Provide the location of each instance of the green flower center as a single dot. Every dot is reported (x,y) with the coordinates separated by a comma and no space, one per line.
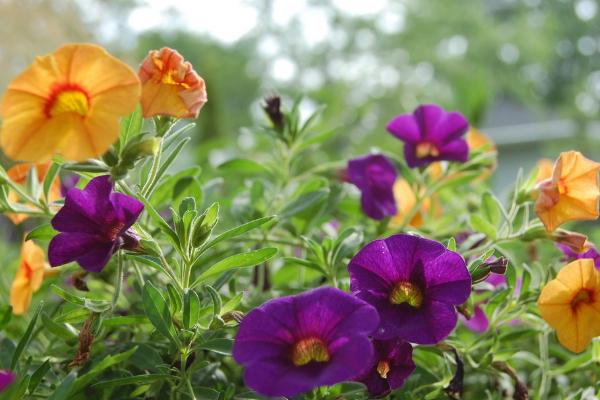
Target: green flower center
(308,350)
(406,292)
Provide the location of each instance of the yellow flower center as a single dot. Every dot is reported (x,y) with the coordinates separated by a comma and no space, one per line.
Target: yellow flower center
(583,296)
(308,350)
(383,368)
(562,187)
(426,149)
(406,292)
(68,98)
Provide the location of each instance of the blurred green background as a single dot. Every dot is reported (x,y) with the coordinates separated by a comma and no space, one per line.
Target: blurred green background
(525,71)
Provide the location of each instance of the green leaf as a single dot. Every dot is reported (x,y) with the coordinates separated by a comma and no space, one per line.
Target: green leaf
(174,298)
(84,380)
(220,346)
(157,311)
(479,224)
(172,156)
(160,222)
(216,299)
(243,166)
(243,260)
(232,303)
(132,380)
(57,328)
(187,187)
(240,230)
(38,375)
(131,126)
(5,315)
(191,308)
(42,232)
(125,320)
(49,179)
(24,342)
(451,244)
(64,389)
(491,209)
(304,202)
(71,298)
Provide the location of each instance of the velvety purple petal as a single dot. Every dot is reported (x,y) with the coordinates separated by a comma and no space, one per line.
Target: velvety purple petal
(374,175)
(127,208)
(279,377)
(448,279)
(429,117)
(496,280)
(410,156)
(479,322)
(376,385)
(86,249)
(378,203)
(451,127)
(405,128)
(350,357)
(429,324)
(6,378)
(402,365)
(456,150)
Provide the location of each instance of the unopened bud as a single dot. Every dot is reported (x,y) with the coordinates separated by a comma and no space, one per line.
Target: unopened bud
(272,107)
(575,241)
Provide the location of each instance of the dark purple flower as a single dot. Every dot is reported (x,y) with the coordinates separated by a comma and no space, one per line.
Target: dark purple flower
(6,378)
(431,134)
(374,175)
(293,344)
(572,255)
(478,322)
(414,283)
(94,223)
(391,366)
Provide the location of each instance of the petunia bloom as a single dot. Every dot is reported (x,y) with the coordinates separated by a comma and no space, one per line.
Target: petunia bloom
(7,377)
(571,304)
(374,175)
(29,277)
(391,366)
(170,86)
(293,344)
(589,251)
(431,134)
(571,194)
(69,103)
(94,223)
(414,283)
(18,174)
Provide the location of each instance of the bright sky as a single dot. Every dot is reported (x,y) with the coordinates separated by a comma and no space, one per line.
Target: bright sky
(230,20)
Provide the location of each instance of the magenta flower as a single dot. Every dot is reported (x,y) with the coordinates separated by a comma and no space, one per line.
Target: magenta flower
(572,255)
(293,344)
(391,366)
(6,378)
(414,283)
(374,175)
(94,223)
(431,134)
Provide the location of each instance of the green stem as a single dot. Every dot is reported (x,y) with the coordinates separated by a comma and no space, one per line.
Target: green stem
(153,178)
(118,280)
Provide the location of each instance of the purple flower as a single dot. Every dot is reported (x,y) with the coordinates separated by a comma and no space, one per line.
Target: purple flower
(391,366)
(414,283)
(431,134)
(293,344)
(6,378)
(374,175)
(67,183)
(94,223)
(572,255)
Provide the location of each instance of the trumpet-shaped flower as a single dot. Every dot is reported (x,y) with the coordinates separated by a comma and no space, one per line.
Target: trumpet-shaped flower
(170,86)
(94,223)
(374,175)
(29,277)
(391,366)
(69,103)
(7,377)
(414,283)
(571,194)
(431,134)
(293,344)
(18,174)
(571,304)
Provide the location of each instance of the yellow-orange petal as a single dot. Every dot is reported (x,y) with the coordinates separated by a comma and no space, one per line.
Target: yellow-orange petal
(170,86)
(571,304)
(405,201)
(477,140)
(28,280)
(571,194)
(49,108)
(544,169)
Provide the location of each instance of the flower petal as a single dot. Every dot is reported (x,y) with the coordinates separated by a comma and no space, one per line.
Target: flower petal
(405,127)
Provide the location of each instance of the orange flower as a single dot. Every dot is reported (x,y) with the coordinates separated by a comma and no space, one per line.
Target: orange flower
(571,194)
(405,201)
(68,102)
(571,304)
(479,140)
(18,174)
(29,277)
(544,169)
(170,86)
